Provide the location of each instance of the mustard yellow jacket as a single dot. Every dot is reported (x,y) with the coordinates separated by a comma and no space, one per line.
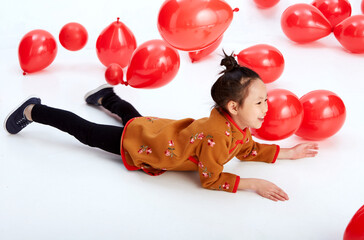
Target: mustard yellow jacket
(156,145)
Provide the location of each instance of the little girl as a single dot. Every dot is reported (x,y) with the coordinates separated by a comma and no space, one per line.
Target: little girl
(156,145)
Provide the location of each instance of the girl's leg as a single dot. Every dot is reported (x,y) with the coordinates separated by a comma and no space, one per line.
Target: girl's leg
(104,95)
(104,137)
(120,107)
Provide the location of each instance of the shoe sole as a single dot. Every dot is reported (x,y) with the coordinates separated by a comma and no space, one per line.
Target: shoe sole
(7,117)
(96,90)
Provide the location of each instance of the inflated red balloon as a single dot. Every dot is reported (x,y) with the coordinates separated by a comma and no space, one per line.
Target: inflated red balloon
(153,65)
(192,25)
(73,36)
(115,44)
(283,118)
(355,228)
(114,74)
(334,10)
(197,55)
(324,115)
(304,23)
(350,33)
(266,3)
(264,59)
(37,50)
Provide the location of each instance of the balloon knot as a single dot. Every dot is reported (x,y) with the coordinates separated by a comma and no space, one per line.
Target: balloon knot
(24,73)
(124,83)
(236,10)
(117,20)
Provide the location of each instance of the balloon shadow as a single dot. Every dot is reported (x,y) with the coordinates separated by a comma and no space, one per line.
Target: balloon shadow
(268,12)
(341,49)
(81,67)
(315,44)
(319,44)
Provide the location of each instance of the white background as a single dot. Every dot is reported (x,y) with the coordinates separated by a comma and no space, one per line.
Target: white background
(52,187)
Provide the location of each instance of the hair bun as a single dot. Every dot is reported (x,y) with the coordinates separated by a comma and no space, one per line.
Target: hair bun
(229,62)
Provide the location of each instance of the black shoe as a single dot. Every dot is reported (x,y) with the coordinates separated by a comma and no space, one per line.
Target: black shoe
(16,120)
(93,96)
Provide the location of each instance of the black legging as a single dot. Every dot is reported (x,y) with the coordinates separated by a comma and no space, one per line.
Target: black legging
(105,137)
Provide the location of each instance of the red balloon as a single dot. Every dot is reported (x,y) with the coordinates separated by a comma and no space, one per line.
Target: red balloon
(266,3)
(303,23)
(264,59)
(350,33)
(362,6)
(115,44)
(283,118)
(37,50)
(355,228)
(324,115)
(153,64)
(73,36)
(114,74)
(192,25)
(197,55)
(334,10)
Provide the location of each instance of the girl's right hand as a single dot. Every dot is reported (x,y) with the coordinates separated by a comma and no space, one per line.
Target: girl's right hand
(264,188)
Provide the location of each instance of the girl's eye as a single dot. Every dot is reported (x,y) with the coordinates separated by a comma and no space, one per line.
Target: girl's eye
(259,103)
(266,100)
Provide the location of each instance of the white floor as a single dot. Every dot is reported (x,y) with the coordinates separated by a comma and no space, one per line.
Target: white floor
(52,187)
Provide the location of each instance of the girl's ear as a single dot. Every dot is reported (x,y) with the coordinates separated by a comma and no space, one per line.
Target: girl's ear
(232,107)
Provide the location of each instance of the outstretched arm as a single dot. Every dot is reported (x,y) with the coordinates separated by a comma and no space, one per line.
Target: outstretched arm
(301,150)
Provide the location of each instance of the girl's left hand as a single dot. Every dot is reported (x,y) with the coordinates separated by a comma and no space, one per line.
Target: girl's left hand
(303,150)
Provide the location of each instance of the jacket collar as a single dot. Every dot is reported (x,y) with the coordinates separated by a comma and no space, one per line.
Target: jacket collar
(230,119)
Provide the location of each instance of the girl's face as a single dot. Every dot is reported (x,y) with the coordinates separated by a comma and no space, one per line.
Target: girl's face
(252,111)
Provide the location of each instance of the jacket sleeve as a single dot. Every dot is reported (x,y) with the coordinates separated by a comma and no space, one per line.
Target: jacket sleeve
(254,151)
(213,154)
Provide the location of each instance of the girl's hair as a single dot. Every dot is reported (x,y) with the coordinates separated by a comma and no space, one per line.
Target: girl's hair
(233,84)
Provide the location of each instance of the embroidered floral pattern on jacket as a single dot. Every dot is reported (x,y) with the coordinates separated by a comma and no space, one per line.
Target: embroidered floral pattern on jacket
(145,149)
(204,173)
(169,151)
(225,186)
(151,119)
(228,132)
(198,136)
(211,142)
(253,152)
